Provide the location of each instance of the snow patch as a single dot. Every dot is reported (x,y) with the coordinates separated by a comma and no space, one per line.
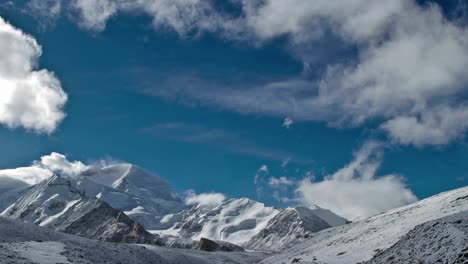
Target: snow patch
(41,252)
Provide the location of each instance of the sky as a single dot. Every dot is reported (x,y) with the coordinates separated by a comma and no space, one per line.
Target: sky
(356,106)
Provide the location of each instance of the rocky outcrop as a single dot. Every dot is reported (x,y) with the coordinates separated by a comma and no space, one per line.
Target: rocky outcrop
(212,246)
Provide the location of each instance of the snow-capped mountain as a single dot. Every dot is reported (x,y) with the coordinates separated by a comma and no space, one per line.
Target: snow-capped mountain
(143,196)
(235,221)
(360,241)
(58,203)
(95,204)
(292,225)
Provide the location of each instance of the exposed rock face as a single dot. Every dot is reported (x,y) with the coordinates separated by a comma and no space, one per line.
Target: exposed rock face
(58,204)
(93,218)
(212,246)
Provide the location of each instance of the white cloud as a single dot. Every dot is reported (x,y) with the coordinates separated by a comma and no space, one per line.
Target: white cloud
(30,98)
(204,199)
(182,16)
(31,175)
(263,168)
(410,66)
(285,162)
(436,127)
(59,163)
(409,70)
(46,9)
(355,191)
(94,13)
(44,168)
(287,122)
(281,181)
(262,171)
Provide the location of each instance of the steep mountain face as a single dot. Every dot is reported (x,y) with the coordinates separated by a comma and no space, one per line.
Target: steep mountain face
(291,225)
(58,203)
(144,197)
(235,221)
(362,240)
(444,240)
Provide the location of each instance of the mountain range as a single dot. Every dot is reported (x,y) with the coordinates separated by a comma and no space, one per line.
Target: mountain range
(124,203)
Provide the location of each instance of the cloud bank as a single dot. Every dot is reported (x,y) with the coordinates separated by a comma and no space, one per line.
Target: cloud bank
(355,192)
(29,97)
(44,168)
(408,72)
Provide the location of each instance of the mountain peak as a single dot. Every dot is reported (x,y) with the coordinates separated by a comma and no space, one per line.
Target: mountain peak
(289,226)
(57,179)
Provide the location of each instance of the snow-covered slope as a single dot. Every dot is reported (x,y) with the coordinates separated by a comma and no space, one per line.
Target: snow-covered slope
(291,225)
(235,221)
(444,240)
(58,204)
(9,183)
(144,197)
(328,216)
(10,190)
(360,241)
(27,243)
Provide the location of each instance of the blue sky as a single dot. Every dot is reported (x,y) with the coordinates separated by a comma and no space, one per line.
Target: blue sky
(204,107)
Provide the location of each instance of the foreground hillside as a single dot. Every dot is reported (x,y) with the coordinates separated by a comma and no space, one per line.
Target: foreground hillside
(27,243)
(360,241)
(444,240)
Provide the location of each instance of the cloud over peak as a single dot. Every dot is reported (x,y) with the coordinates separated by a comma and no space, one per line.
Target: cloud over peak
(204,199)
(44,168)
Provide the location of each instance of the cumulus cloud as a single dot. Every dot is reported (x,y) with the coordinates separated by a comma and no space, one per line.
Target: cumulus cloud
(59,163)
(355,192)
(204,199)
(44,168)
(29,98)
